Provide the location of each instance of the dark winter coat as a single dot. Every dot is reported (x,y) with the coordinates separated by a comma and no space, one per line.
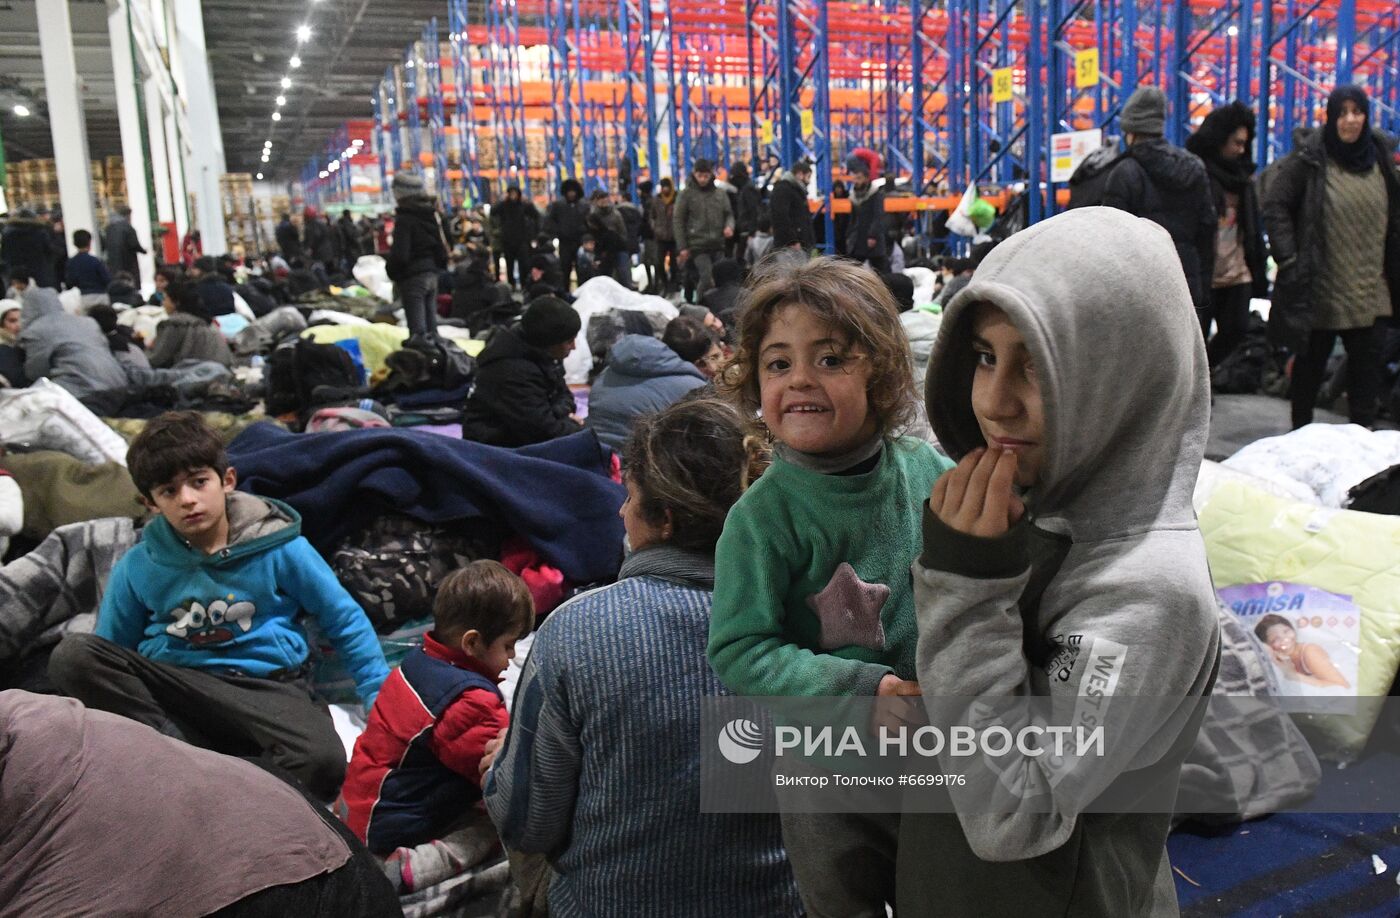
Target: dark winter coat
(792,218)
(320,244)
(289,240)
(662,214)
(1169,186)
(1251,226)
(519,223)
(520,396)
(1293,207)
(26,247)
(215,296)
(702,214)
(121,245)
(747,203)
(348,235)
(609,232)
(564,219)
(632,219)
(418,240)
(867,222)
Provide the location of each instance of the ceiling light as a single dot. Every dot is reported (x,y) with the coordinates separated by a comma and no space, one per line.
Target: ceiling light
(1233,31)
(357,142)
(267,144)
(22,111)
(295,62)
(260,176)
(409,65)
(286,82)
(265,157)
(324,173)
(303,33)
(281,101)
(276,116)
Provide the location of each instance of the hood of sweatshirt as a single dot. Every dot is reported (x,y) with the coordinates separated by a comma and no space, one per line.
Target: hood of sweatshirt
(646,357)
(39,302)
(1170,168)
(510,344)
(1107,317)
(255,524)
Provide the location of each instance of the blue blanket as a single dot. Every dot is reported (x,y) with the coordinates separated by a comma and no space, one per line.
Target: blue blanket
(556,495)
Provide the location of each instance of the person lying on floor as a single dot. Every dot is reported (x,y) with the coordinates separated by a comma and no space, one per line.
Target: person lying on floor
(197,633)
(189,333)
(100,815)
(413,789)
(600,769)
(521,396)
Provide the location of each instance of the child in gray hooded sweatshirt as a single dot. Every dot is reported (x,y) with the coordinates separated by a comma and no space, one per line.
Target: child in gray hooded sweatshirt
(1062,559)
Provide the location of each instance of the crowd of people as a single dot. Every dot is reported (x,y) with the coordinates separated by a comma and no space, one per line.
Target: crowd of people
(825,496)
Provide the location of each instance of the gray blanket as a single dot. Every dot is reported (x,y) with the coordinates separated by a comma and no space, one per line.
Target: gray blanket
(57,588)
(1250,759)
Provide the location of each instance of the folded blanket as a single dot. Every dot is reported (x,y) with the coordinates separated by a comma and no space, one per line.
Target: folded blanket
(59,490)
(555,495)
(57,587)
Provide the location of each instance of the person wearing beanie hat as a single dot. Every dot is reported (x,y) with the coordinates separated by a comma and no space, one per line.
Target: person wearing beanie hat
(1145,112)
(1168,186)
(515,222)
(520,396)
(866,236)
(418,253)
(703,221)
(1333,217)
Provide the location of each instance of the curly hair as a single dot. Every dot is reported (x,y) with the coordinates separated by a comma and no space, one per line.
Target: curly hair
(856,303)
(693,459)
(1217,128)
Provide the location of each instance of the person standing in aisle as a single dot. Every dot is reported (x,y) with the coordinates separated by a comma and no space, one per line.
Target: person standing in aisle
(662,211)
(26,250)
(288,238)
(1168,186)
(418,253)
(609,232)
(564,220)
(746,202)
(1222,142)
(120,242)
(1333,217)
(316,234)
(792,218)
(703,222)
(515,221)
(866,239)
(647,237)
(349,237)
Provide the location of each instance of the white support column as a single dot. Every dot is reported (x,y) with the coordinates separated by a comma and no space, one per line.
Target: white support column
(160,160)
(176,156)
(206,164)
(138,196)
(66,117)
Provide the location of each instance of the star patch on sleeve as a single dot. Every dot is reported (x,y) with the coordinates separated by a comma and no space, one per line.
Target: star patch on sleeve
(849,611)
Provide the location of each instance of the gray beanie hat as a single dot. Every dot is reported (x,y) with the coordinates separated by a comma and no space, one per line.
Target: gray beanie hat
(1145,112)
(406,185)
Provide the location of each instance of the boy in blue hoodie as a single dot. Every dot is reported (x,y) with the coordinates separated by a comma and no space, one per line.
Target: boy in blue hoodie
(197,634)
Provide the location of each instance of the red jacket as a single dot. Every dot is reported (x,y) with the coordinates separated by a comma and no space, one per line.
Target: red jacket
(414,770)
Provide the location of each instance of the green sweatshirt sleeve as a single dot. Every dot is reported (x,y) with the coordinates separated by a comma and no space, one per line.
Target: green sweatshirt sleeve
(748,647)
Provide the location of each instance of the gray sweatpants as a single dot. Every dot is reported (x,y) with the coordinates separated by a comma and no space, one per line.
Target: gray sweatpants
(844,862)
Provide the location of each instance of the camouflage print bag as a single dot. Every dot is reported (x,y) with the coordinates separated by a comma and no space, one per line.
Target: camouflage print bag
(393,567)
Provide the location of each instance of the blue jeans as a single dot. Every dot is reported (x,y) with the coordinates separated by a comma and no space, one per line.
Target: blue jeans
(419,295)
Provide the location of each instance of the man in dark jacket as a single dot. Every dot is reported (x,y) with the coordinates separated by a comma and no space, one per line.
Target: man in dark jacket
(320,243)
(26,250)
(609,232)
(288,239)
(417,254)
(703,222)
(516,221)
(746,202)
(792,218)
(1168,186)
(565,220)
(348,235)
(661,212)
(521,396)
(121,244)
(215,293)
(866,239)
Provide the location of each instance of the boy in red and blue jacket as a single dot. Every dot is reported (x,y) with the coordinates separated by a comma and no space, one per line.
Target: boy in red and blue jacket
(414,774)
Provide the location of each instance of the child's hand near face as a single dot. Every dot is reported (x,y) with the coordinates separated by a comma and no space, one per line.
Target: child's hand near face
(976,497)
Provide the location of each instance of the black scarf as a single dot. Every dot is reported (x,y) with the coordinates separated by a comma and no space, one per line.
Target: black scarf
(1231,174)
(1359,156)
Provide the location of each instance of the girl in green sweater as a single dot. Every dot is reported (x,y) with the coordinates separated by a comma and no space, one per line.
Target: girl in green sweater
(813,590)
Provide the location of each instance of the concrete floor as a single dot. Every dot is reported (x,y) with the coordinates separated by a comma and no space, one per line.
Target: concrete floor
(1238,420)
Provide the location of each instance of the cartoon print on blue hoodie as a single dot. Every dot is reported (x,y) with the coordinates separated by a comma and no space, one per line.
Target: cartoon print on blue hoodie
(235,611)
